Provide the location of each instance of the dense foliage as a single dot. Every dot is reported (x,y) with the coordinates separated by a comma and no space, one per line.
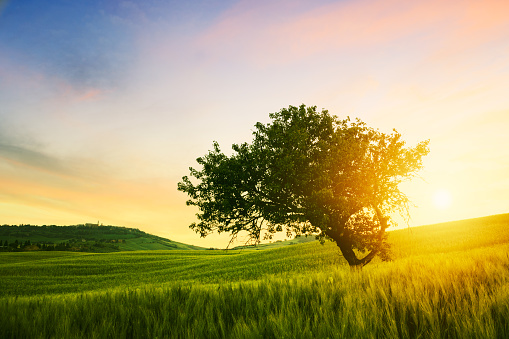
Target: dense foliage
(307,172)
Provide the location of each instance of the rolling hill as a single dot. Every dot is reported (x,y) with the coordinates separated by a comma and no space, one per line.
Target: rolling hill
(88,238)
(460,235)
(441,237)
(436,238)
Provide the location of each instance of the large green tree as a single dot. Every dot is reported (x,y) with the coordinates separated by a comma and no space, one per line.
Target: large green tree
(307,172)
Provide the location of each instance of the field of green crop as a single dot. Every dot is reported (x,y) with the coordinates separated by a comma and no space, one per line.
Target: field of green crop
(447,281)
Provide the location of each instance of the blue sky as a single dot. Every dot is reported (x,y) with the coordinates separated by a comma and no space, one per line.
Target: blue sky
(105,104)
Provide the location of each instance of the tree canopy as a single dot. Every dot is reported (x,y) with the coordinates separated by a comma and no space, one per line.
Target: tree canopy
(307,172)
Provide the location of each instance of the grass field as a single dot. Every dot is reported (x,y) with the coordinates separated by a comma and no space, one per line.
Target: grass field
(447,281)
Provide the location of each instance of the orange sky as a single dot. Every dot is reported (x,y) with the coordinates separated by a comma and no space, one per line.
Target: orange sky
(104,108)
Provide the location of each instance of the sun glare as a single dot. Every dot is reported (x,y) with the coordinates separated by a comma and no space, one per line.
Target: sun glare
(442,199)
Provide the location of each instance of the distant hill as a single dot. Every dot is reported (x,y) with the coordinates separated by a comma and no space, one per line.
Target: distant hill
(84,237)
(460,235)
(437,238)
(444,237)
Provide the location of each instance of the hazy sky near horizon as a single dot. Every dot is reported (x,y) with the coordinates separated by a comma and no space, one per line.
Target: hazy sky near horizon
(105,104)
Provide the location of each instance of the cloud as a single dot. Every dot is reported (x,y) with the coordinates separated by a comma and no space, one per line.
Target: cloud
(279,33)
(73,40)
(82,189)
(22,81)
(3,4)
(68,189)
(90,94)
(37,189)
(26,157)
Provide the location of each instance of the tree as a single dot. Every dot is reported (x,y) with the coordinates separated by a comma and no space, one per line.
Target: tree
(307,172)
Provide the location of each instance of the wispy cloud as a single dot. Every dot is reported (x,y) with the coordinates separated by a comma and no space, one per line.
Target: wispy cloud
(280,32)
(74,41)
(83,190)
(25,157)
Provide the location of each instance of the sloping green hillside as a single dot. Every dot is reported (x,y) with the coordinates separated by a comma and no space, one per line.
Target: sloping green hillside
(85,237)
(451,236)
(437,238)
(442,237)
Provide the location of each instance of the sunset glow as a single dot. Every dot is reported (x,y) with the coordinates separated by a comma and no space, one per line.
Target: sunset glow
(105,105)
(442,199)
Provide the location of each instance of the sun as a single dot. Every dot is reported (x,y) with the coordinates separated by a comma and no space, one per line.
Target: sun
(442,199)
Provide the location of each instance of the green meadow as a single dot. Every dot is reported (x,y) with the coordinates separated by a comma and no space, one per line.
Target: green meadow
(448,280)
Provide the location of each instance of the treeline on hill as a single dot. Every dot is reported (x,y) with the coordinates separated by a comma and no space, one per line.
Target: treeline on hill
(83,237)
(71,245)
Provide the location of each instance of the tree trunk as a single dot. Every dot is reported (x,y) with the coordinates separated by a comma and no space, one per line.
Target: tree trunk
(348,252)
(355,263)
(345,245)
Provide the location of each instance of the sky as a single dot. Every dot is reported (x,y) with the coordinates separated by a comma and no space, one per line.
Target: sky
(104,105)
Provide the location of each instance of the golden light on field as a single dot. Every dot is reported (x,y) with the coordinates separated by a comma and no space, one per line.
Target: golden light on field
(442,199)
